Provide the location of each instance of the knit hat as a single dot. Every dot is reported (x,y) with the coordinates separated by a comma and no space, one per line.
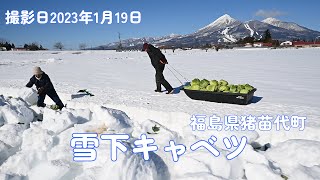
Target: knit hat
(37,70)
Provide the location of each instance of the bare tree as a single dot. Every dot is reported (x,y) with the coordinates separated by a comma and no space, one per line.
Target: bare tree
(58,45)
(82,46)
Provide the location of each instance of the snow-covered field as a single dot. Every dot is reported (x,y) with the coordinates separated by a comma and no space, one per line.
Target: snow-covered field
(287,80)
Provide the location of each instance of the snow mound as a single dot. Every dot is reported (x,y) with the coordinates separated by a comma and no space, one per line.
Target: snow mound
(254,157)
(4,152)
(57,121)
(61,151)
(29,95)
(261,172)
(203,164)
(51,170)
(44,140)
(112,119)
(22,162)
(13,111)
(305,173)
(11,134)
(296,152)
(133,166)
(275,137)
(297,159)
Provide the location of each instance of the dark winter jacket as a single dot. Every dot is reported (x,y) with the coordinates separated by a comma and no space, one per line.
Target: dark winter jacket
(44,83)
(156,56)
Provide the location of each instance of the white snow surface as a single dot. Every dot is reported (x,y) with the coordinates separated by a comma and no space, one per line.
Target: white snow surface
(287,81)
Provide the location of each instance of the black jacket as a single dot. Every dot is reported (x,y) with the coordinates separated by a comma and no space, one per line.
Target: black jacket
(156,56)
(44,82)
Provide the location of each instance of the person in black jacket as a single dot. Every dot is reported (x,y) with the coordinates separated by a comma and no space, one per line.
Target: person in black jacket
(158,61)
(45,87)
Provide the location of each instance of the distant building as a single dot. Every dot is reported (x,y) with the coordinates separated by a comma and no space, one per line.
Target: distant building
(286,43)
(301,44)
(3,49)
(248,45)
(19,49)
(257,44)
(267,45)
(261,44)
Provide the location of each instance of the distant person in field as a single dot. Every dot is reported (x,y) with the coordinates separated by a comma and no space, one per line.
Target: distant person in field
(45,87)
(158,61)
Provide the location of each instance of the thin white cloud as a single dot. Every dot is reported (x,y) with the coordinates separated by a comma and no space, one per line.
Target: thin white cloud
(269,13)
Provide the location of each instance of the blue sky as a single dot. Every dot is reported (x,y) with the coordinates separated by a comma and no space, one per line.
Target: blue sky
(158,18)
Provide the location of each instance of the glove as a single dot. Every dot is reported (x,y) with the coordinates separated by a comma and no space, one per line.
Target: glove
(41,91)
(163,62)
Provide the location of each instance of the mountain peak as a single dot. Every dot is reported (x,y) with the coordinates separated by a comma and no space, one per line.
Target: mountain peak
(225,16)
(270,20)
(223,21)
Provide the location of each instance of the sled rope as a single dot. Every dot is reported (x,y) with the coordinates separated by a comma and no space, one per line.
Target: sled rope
(179,73)
(175,76)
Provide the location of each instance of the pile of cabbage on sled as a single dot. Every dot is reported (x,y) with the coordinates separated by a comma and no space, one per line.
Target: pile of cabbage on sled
(218,86)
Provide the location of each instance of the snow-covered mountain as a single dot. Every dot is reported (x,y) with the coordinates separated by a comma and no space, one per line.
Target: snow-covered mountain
(226,29)
(138,42)
(221,23)
(285,25)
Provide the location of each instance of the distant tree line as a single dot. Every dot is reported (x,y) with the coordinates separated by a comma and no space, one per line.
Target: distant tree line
(33,47)
(7,45)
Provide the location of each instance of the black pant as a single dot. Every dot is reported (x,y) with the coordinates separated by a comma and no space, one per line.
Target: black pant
(53,95)
(160,80)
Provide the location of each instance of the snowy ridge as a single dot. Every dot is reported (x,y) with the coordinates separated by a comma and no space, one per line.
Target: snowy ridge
(285,25)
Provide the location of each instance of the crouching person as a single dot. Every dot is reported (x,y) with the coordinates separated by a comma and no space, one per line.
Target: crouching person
(45,87)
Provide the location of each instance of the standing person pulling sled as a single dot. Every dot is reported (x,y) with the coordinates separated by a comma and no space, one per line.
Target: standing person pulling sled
(44,87)
(158,61)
